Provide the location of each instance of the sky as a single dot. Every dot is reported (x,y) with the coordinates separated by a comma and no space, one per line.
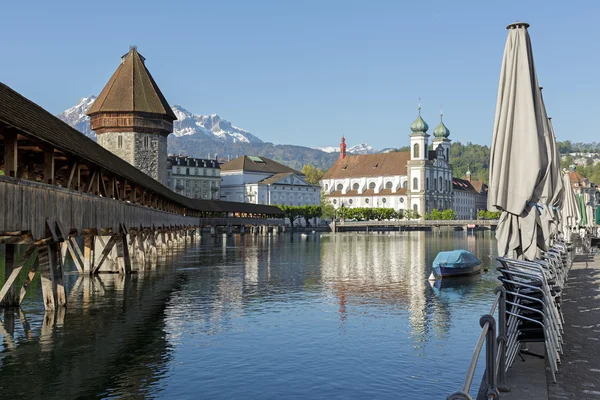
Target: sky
(308,72)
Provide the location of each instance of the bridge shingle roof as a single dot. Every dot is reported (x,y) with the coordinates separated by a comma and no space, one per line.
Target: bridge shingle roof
(29,118)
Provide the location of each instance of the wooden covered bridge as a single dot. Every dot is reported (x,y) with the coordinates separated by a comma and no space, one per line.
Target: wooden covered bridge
(61,189)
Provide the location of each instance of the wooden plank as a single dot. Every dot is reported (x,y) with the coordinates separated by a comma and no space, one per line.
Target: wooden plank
(109,245)
(28,280)
(49,166)
(76,260)
(104,192)
(74,168)
(10,280)
(47,277)
(90,181)
(10,153)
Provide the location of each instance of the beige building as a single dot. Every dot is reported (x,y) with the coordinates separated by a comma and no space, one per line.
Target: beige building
(197,178)
(469,197)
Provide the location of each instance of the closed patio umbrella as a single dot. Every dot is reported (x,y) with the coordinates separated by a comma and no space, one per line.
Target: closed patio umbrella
(582,212)
(519,154)
(570,209)
(559,189)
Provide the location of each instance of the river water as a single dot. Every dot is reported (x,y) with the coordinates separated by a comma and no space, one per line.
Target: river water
(346,316)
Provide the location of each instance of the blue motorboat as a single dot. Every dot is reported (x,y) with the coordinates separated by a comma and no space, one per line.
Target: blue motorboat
(456,263)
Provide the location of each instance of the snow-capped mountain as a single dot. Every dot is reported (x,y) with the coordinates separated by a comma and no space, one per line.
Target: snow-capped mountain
(212,126)
(362,148)
(75,116)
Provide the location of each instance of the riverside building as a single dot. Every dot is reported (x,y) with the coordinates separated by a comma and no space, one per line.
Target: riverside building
(260,180)
(419,179)
(469,197)
(197,178)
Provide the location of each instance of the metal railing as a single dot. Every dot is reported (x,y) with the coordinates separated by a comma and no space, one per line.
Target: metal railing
(495,353)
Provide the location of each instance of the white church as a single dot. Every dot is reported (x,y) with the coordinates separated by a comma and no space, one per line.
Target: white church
(419,179)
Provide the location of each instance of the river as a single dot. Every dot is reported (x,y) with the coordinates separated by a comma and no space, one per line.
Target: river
(323,316)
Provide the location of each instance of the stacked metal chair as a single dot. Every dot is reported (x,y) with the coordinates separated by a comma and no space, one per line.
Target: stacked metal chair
(533,302)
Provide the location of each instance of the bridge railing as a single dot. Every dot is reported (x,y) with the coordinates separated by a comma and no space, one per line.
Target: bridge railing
(495,353)
(417,222)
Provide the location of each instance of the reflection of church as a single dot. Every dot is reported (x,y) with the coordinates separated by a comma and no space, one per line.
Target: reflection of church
(419,179)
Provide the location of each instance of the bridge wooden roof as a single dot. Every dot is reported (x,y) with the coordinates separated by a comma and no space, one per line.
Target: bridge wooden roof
(132,89)
(29,118)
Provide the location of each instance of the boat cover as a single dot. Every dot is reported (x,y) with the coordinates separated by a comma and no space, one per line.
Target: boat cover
(455,259)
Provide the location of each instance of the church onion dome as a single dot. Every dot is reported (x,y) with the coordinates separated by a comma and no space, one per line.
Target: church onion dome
(419,126)
(441,131)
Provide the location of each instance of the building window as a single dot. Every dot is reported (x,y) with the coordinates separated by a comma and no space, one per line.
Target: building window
(384,200)
(340,186)
(401,199)
(146,142)
(405,184)
(350,201)
(440,184)
(177,170)
(367,201)
(415,208)
(372,185)
(120,141)
(415,184)
(355,186)
(334,201)
(204,172)
(416,150)
(447,154)
(187,171)
(389,185)
(326,186)
(427,183)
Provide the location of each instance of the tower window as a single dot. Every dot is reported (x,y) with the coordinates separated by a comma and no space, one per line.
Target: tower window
(415,184)
(416,150)
(146,142)
(120,141)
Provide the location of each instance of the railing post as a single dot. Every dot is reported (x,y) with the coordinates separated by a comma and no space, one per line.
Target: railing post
(502,339)
(490,355)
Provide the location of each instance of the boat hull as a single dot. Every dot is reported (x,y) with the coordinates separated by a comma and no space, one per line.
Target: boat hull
(442,271)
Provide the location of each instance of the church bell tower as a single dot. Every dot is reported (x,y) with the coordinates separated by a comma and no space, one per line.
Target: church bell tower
(132,118)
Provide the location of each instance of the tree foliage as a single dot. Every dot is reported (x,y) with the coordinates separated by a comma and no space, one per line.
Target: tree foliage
(485,214)
(307,212)
(313,174)
(437,215)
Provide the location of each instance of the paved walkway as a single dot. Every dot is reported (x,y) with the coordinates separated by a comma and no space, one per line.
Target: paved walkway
(578,376)
(579,372)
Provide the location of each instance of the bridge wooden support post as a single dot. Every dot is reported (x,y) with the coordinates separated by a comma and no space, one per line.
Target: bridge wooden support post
(51,274)
(229,230)
(212,231)
(88,254)
(242,230)
(11,299)
(123,259)
(105,254)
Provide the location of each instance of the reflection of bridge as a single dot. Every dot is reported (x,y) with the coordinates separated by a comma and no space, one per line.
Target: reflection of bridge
(60,185)
(425,224)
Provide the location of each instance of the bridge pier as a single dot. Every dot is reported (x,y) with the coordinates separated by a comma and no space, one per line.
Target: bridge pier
(10,263)
(51,274)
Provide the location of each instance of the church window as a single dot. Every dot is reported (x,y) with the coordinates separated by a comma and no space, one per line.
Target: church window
(383,200)
(367,201)
(355,186)
(415,208)
(427,183)
(350,201)
(120,141)
(372,185)
(334,201)
(389,185)
(326,186)
(401,199)
(416,150)
(440,184)
(415,183)
(340,186)
(447,154)
(146,142)
(405,185)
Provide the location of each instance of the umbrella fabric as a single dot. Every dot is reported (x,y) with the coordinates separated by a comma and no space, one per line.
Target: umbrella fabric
(519,154)
(582,213)
(570,209)
(557,199)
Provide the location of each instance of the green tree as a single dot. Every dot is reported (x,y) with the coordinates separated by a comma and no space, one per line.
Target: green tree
(327,209)
(291,212)
(448,214)
(313,174)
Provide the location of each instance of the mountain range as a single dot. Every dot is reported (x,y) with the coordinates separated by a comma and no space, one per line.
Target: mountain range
(209,136)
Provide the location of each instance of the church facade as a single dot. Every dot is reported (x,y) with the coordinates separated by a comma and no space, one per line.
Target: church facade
(419,179)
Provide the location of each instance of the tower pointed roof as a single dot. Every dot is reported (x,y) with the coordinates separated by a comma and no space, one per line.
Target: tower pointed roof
(132,89)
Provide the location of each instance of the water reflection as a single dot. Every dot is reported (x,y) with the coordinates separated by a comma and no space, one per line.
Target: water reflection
(346,315)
